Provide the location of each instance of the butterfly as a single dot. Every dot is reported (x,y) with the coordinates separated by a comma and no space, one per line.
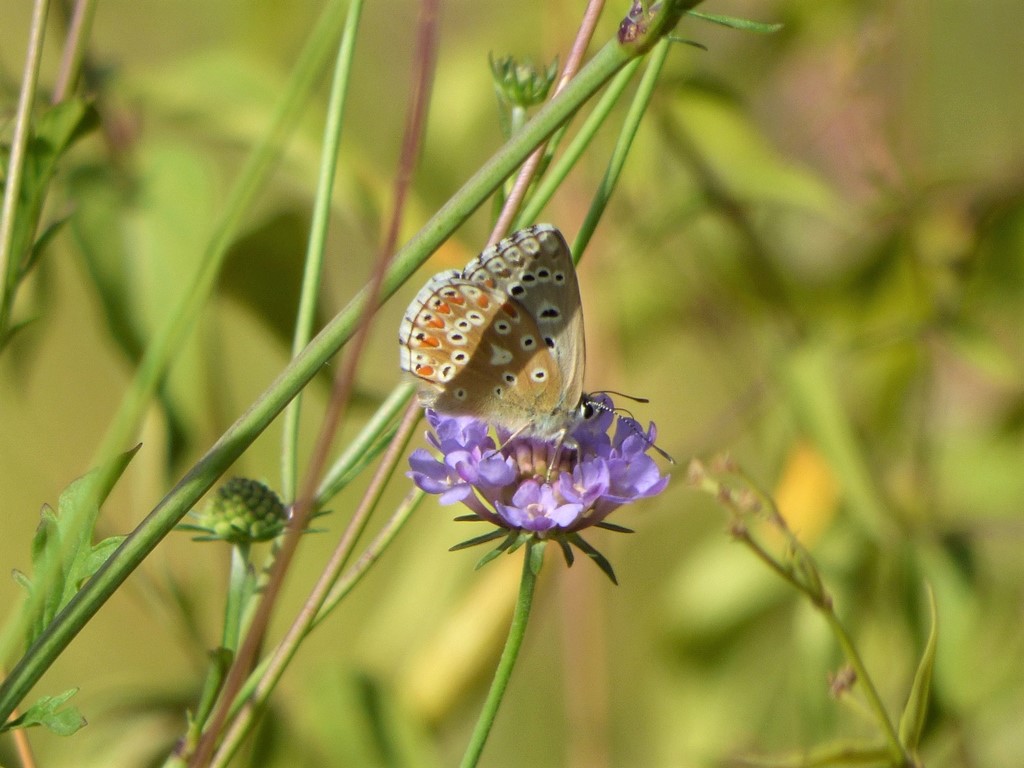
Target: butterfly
(502,340)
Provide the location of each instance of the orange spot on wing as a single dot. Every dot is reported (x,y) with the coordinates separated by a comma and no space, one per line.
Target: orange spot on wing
(509,309)
(482,301)
(435,322)
(424,370)
(430,341)
(443,308)
(458,299)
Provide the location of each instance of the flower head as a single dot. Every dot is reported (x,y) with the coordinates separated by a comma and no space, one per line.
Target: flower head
(242,511)
(541,488)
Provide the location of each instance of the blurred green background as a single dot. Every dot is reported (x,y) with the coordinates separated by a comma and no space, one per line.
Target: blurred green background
(814,261)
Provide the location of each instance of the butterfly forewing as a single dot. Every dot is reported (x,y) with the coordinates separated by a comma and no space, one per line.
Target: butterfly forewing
(503,340)
(534,266)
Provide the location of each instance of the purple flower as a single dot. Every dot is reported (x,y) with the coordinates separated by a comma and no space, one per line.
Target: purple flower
(536,508)
(541,488)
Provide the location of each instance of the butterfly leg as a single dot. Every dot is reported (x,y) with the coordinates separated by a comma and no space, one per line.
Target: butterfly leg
(562,442)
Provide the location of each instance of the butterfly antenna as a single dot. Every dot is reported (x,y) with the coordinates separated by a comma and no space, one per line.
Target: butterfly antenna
(621,394)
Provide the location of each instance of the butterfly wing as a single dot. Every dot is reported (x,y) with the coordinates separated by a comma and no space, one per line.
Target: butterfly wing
(478,352)
(534,267)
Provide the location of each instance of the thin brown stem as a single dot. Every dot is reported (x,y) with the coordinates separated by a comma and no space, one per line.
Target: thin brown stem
(10,265)
(74,49)
(529,169)
(21,743)
(426,46)
(313,609)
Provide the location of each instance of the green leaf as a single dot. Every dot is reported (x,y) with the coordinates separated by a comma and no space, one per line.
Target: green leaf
(47,712)
(914,713)
(63,556)
(95,557)
(53,133)
(40,245)
(734,23)
(43,603)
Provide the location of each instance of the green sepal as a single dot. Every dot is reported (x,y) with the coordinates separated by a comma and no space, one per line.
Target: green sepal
(505,546)
(567,553)
(593,554)
(497,533)
(535,552)
(613,527)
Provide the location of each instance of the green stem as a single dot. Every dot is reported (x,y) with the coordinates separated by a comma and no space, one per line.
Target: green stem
(806,579)
(314,607)
(237,597)
(73,54)
(509,655)
(637,109)
(10,265)
(166,341)
(374,437)
(161,521)
(312,271)
(896,750)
